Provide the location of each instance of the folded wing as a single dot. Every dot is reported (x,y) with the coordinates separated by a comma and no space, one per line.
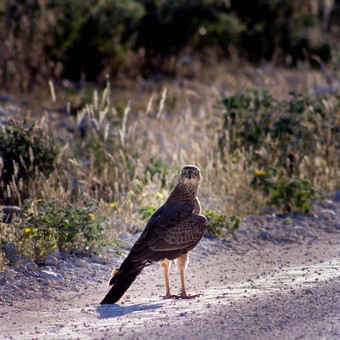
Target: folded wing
(173,230)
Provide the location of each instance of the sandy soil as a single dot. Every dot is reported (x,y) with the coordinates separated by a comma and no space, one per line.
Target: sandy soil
(250,289)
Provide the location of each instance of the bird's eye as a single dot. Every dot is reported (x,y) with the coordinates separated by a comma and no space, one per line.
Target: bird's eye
(196,173)
(184,172)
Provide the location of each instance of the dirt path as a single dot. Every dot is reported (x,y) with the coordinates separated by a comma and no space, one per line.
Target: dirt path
(270,291)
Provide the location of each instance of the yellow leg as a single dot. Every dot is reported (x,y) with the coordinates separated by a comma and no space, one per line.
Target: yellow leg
(166,265)
(183,292)
(181,263)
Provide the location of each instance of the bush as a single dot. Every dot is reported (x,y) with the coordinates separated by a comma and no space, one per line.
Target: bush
(146,211)
(25,151)
(50,224)
(76,40)
(285,28)
(282,139)
(94,36)
(83,40)
(288,139)
(170,27)
(220,224)
(223,31)
(167,28)
(284,193)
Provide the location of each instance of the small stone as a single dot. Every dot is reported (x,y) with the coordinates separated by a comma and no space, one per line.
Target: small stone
(68,266)
(30,274)
(329,204)
(257,224)
(330,212)
(80,263)
(269,218)
(25,260)
(31,266)
(99,259)
(9,273)
(45,274)
(54,253)
(241,232)
(60,265)
(264,235)
(50,261)
(63,256)
(3,281)
(21,269)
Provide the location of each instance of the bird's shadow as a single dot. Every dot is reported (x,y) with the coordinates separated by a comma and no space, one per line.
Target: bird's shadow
(113,311)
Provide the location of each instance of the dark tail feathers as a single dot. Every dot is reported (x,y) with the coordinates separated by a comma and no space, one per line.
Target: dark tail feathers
(122,279)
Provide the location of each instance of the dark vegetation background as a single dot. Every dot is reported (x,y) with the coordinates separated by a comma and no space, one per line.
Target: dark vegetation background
(84,40)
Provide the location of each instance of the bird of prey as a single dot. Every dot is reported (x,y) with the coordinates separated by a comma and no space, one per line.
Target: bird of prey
(171,232)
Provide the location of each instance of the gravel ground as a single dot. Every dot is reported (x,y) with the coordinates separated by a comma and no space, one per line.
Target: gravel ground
(279,277)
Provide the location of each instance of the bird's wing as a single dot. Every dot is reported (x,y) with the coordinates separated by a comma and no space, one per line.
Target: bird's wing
(172,227)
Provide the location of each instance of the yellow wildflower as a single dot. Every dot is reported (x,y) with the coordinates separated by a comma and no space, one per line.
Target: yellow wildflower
(27,231)
(259,173)
(91,216)
(112,205)
(159,195)
(38,201)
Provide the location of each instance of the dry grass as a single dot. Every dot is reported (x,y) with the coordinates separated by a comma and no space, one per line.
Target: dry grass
(137,139)
(179,122)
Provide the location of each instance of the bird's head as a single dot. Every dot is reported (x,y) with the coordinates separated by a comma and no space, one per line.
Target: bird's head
(191,176)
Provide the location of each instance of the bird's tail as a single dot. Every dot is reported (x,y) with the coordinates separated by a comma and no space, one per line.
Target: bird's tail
(122,279)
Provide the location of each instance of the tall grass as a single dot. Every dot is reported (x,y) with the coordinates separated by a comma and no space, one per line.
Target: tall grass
(126,147)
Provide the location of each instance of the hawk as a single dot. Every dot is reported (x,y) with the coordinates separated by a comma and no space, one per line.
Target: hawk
(170,234)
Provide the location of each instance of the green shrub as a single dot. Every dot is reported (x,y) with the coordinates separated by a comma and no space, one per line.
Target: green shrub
(25,150)
(50,224)
(285,137)
(94,35)
(220,224)
(60,39)
(287,28)
(288,139)
(223,31)
(288,193)
(146,211)
(282,192)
